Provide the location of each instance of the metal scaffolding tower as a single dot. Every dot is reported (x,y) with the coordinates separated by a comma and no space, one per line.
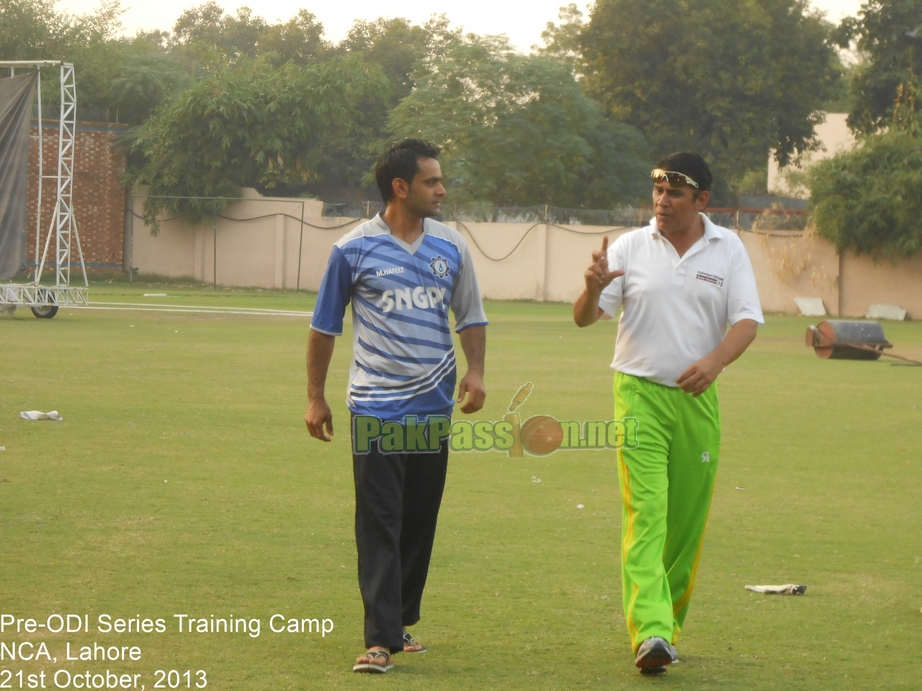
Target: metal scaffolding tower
(45,300)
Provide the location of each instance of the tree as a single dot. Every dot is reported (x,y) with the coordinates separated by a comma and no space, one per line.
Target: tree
(393,48)
(730,79)
(212,35)
(249,125)
(398,47)
(889,40)
(34,30)
(869,200)
(91,43)
(518,130)
(299,40)
(562,41)
(365,75)
(144,81)
(29,29)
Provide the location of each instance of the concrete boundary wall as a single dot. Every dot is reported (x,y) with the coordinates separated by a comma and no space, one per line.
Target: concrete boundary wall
(262,242)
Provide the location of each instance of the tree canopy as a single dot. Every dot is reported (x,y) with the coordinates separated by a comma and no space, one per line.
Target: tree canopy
(562,41)
(249,125)
(29,29)
(229,99)
(518,130)
(35,30)
(869,200)
(367,75)
(515,129)
(730,79)
(888,34)
(208,35)
(397,47)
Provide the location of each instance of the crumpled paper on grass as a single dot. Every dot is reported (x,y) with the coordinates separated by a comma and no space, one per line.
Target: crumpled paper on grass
(787,589)
(39,415)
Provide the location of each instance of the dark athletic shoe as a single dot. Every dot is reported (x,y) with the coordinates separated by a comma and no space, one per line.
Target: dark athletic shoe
(651,671)
(654,655)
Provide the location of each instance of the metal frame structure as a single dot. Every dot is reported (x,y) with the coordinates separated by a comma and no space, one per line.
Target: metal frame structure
(45,300)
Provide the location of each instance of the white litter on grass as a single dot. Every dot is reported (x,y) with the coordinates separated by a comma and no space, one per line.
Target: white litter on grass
(155,295)
(739,488)
(579,506)
(535,480)
(787,589)
(2,448)
(39,415)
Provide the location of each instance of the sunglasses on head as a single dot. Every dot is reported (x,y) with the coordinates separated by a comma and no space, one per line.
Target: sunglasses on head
(674,178)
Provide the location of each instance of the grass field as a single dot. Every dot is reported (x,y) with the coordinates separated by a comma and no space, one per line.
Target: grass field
(182,481)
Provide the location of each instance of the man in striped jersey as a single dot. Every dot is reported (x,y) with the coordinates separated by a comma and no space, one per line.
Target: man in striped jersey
(401,271)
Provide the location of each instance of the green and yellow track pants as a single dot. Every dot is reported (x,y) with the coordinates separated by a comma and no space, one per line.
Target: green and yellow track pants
(666,487)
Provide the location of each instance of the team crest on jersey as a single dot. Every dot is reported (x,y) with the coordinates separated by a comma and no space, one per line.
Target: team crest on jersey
(439,266)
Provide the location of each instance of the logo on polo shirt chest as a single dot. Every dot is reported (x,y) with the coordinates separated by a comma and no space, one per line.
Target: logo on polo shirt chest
(710,278)
(439,266)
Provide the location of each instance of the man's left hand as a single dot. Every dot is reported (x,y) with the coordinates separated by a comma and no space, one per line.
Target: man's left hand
(699,376)
(472,386)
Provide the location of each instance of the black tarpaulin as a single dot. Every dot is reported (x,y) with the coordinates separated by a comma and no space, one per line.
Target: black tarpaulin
(15,118)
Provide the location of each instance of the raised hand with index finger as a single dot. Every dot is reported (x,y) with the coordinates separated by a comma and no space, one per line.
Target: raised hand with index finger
(597,275)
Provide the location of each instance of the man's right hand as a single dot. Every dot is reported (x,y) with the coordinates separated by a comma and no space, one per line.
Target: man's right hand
(586,309)
(597,275)
(319,420)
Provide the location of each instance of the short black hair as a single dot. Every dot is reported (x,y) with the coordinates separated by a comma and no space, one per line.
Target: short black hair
(691,165)
(401,161)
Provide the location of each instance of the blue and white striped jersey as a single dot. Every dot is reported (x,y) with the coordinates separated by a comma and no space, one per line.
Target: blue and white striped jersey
(404,360)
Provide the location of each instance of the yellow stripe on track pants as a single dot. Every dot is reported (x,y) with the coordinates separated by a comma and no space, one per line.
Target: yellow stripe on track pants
(666,485)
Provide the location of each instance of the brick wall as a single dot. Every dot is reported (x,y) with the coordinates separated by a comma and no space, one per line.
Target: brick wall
(98,196)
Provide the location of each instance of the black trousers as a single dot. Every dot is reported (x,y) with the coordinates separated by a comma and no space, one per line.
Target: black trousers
(397,499)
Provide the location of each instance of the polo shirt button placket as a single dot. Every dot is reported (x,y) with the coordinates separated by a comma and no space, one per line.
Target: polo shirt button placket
(678,275)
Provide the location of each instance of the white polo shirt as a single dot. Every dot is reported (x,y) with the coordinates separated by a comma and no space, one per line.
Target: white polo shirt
(676,309)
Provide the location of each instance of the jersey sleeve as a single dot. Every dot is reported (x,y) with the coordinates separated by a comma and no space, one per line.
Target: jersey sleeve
(335,293)
(743,298)
(610,299)
(466,303)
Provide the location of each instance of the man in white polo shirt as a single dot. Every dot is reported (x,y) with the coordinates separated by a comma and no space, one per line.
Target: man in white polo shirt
(690,308)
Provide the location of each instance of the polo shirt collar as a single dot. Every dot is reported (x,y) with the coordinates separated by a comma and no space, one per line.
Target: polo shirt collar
(378,220)
(710,230)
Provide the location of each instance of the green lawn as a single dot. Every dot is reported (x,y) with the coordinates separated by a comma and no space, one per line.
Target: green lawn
(182,481)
